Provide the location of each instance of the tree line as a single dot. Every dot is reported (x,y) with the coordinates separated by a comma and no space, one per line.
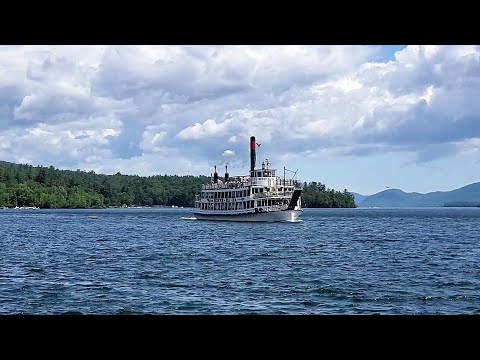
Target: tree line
(47,187)
(317,195)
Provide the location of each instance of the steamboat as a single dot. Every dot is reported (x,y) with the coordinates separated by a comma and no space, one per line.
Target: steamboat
(259,196)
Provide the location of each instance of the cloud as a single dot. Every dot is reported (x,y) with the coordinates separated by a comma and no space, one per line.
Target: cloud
(46,144)
(147,108)
(153,139)
(205,130)
(469,147)
(227,153)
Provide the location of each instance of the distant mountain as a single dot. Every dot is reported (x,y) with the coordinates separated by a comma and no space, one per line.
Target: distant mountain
(358,197)
(399,198)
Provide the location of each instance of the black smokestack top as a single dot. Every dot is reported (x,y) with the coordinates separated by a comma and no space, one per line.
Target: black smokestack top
(215,176)
(226,173)
(252,153)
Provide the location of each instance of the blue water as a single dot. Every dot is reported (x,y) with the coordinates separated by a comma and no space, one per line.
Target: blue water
(157,261)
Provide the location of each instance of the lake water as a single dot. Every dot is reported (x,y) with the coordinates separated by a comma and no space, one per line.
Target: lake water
(159,261)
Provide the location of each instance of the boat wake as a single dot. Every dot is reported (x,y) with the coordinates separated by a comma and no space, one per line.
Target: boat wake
(294,221)
(189,218)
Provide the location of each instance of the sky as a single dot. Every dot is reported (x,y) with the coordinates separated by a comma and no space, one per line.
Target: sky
(362,118)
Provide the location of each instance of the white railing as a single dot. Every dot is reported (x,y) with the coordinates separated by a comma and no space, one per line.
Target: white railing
(225,212)
(246,182)
(278,195)
(260,195)
(243,211)
(273,208)
(228,185)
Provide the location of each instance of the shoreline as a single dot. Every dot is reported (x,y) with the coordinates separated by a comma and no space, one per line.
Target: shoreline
(95,208)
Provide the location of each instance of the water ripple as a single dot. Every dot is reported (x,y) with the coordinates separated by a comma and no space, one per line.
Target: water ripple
(157,261)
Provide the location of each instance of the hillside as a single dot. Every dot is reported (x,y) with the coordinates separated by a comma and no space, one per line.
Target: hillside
(358,197)
(398,198)
(47,187)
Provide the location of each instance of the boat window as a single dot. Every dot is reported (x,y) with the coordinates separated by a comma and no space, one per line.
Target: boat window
(266,173)
(259,174)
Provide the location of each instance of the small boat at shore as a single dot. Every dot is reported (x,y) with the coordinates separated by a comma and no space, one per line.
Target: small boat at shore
(20,208)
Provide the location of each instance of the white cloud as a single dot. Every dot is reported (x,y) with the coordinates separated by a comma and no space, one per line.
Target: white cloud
(228,153)
(122,105)
(153,139)
(469,146)
(198,131)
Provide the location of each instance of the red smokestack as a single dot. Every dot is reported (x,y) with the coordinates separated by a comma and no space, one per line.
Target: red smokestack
(252,153)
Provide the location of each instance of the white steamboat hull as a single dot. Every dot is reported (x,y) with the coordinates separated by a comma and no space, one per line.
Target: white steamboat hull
(272,216)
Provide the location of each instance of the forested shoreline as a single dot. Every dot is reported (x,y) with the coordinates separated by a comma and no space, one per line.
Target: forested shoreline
(23,185)
(317,195)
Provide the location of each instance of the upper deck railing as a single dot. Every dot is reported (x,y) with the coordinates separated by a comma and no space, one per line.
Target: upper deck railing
(245,181)
(228,185)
